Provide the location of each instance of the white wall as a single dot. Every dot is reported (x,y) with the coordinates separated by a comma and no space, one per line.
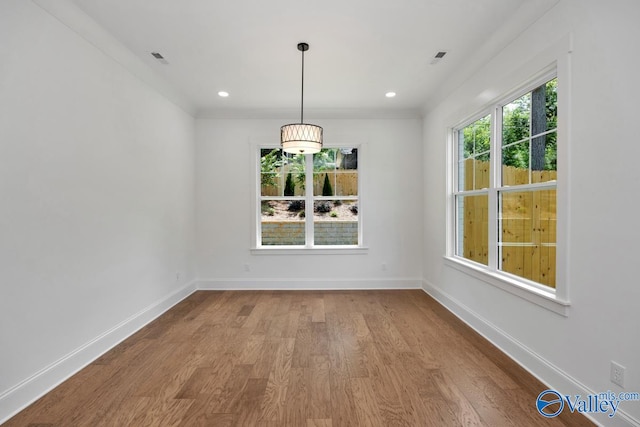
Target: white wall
(603,246)
(391,201)
(96,200)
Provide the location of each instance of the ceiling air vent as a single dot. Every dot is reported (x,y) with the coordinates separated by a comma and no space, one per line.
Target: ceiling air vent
(438,56)
(159,57)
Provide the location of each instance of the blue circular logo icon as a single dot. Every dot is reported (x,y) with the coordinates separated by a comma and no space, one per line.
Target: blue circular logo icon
(549,403)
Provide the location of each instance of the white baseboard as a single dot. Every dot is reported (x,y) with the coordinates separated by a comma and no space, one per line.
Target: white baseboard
(306,284)
(31,389)
(549,374)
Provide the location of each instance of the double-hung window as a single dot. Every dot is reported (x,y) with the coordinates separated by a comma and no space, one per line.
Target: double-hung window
(504,187)
(308,200)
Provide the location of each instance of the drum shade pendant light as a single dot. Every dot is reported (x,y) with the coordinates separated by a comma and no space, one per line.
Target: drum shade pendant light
(301,138)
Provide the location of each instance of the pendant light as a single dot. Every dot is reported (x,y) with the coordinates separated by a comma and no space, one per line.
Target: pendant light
(301,138)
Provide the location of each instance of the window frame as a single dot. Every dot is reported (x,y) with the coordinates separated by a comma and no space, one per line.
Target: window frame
(555,300)
(256,246)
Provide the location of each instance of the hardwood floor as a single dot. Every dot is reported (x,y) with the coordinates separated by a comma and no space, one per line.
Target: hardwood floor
(302,359)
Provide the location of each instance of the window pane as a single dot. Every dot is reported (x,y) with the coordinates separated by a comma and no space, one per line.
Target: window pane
(473,155)
(475,138)
(515,164)
(281,174)
(335,222)
(527,236)
(515,120)
(529,136)
(282,222)
(549,171)
(324,167)
(473,174)
(473,228)
(335,183)
(293,184)
(335,172)
(271,184)
(270,176)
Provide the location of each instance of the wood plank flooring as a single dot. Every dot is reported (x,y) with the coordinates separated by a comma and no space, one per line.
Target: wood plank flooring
(300,359)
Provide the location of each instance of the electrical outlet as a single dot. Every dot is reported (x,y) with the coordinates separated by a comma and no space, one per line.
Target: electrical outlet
(617,373)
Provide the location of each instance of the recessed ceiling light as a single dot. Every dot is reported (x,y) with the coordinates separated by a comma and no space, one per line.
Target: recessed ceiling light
(390,94)
(223,94)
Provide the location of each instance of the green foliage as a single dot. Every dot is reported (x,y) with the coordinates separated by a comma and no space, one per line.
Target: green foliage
(327,190)
(333,214)
(476,138)
(325,159)
(296,165)
(270,161)
(267,209)
(289,186)
(516,119)
(551,146)
(516,128)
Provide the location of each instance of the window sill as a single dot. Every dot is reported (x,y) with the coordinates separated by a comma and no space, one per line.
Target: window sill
(541,297)
(293,250)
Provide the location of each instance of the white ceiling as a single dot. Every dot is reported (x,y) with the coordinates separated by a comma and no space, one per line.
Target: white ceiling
(359,49)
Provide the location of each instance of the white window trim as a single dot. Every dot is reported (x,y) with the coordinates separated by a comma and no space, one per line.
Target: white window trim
(256,248)
(554,62)
(318,250)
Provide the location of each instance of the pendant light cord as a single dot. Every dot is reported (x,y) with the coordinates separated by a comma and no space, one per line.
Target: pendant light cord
(302,98)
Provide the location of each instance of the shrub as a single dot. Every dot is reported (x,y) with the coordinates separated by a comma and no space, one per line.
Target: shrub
(354,209)
(333,214)
(301,214)
(265,207)
(326,187)
(337,203)
(270,211)
(289,186)
(322,207)
(295,206)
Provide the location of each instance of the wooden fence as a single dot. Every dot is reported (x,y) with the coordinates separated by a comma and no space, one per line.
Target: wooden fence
(527,224)
(343,183)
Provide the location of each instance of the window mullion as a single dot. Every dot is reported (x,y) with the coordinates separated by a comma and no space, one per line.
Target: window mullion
(308,210)
(495,179)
